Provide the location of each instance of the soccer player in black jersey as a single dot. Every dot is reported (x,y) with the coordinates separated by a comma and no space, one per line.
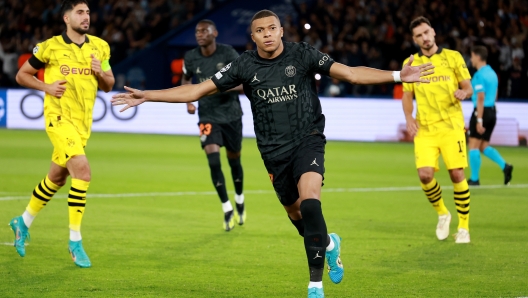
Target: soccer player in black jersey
(278,78)
(220,117)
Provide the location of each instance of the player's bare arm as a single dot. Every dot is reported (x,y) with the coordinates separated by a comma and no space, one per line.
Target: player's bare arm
(367,76)
(105,79)
(181,94)
(465,91)
(407,102)
(480,112)
(237,88)
(26,77)
(191,108)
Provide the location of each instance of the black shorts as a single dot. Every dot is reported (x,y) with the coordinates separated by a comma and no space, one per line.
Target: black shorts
(224,134)
(489,119)
(286,169)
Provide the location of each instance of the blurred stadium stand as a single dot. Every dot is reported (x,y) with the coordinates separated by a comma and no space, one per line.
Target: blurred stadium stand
(148,38)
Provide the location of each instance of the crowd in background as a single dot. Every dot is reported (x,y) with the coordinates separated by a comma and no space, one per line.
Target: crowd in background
(127,25)
(372,33)
(376,34)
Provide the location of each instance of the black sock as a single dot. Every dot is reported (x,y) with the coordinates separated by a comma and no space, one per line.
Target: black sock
(227,215)
(217,176)
(299,224)
(240,208)
(237,173)
(315,237)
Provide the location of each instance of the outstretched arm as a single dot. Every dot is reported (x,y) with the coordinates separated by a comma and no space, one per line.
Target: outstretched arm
(185,93)
(366,76)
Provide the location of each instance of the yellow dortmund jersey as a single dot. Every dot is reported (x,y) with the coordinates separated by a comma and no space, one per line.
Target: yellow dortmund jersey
(64,60)
(437,107)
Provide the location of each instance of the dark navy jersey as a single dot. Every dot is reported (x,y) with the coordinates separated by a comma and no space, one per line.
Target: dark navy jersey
(282,93)
(217,108)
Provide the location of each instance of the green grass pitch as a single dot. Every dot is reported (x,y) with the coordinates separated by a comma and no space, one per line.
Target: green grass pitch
(153,226)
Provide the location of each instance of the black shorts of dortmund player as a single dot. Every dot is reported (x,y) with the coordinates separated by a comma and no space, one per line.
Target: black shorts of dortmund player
(224,134)
(489,119)
(286,169)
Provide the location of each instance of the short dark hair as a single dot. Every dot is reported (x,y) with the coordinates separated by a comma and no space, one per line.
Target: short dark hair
(264,14)
(68,5)
(418,21)
(209,22)
(480,51)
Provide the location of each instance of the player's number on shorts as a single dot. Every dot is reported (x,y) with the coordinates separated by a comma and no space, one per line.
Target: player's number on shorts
(460,144)
(205,129)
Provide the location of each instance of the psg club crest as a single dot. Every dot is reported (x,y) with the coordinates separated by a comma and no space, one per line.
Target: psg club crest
(290,71)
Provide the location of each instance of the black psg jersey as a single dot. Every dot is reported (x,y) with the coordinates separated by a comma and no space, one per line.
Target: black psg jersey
(282,93)
(220,107)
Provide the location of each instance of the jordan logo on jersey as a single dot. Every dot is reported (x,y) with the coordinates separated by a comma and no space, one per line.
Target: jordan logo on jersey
(255,78)
(198,70)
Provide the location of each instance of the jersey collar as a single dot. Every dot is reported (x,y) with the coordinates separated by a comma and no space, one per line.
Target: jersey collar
(420,54)
(284,50)
(69,41)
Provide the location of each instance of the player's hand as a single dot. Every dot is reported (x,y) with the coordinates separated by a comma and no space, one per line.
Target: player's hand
(460,94)
(57,88)
(411,74)
(191,109)
(412,126)
(96,66)
(133,98)
(480,129)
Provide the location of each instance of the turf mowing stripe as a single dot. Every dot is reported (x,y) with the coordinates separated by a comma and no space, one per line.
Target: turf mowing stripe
(208,193)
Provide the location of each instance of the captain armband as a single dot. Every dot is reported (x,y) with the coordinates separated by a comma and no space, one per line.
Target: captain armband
(105,65)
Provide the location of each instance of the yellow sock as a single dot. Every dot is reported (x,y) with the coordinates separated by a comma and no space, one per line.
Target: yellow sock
(433,192)
(462,196)
(77,202)
(42,194)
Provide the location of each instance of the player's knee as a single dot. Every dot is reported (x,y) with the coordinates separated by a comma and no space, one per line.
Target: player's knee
(84,175)
(426,177)
(59,181)
(214,160)
(233,155)
(457,175)
(234,162)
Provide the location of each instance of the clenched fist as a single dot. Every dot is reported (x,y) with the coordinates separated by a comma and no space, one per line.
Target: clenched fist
(57,88)
(96,66)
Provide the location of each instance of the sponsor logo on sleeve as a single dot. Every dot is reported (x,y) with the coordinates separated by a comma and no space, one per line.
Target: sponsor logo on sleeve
(324,59)
(225,68)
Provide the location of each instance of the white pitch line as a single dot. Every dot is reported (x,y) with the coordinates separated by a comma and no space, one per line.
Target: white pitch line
(11,243)
(209,193)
